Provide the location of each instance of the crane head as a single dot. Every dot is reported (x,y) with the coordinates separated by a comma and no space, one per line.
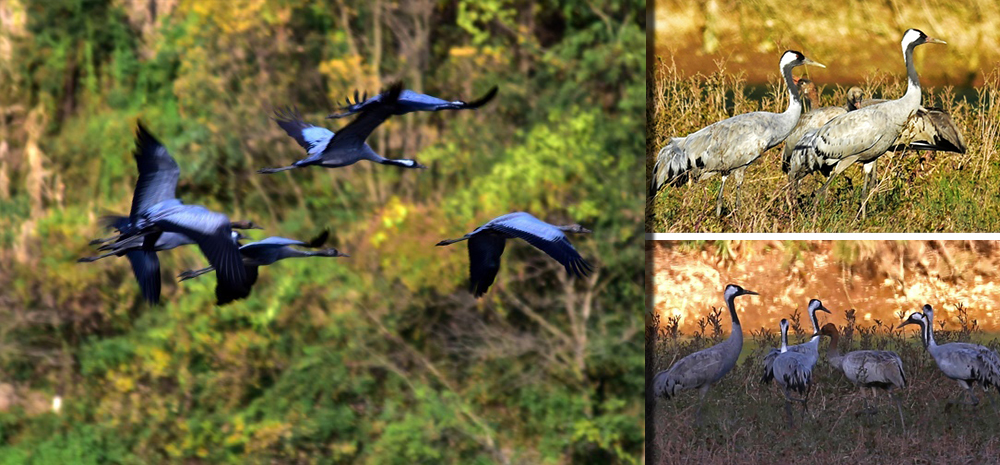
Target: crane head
(733,290)
(816,306)
(914,37)
(916,318)
(793,58)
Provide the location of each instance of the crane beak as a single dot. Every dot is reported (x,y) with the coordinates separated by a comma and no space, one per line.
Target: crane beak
(931,40)
(907,322)
(824,309)
(807,61)
(746,292)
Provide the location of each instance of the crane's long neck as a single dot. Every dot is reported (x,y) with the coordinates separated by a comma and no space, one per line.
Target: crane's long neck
(912,95)
(737,330)
(794,103)
(929,332)
(833,353)
(784,339)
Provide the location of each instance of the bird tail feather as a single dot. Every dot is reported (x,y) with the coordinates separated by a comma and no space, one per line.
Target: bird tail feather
(671,167)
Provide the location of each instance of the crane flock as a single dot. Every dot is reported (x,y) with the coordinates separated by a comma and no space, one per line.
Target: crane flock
(158,221)
(791,367)
(824,140)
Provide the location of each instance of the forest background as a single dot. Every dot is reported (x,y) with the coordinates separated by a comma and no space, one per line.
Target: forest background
(383,357)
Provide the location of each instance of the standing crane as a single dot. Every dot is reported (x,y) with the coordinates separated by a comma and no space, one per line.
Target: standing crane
(704,368)
(863,135)
(810,348)
(793,372)
(813,118)
(966,363)
(731,145)
(881,369)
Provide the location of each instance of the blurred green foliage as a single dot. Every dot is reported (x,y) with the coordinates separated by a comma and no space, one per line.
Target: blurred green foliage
(383,357)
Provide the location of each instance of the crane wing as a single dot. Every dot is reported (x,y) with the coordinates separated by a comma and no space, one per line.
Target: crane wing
(850,134)
(158,172)
(312,138)
(372,115)
(212,233)
(485,250)
(544,237)
(146,268)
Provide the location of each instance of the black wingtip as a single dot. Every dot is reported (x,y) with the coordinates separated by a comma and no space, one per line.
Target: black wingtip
(319,240)
(483,100)
(392,93)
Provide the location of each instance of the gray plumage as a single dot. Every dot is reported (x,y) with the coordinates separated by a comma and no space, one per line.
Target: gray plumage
(968,364)
(487,242)
(729,146)
(704,368)
(793,372)
(881,369)
(928,129)
(863,135)
(809,348)
(813,118)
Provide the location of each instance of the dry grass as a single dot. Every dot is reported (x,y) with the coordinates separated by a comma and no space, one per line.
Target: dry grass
(917,191)
(744,420)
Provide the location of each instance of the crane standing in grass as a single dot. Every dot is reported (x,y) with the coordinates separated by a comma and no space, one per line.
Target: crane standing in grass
(863,135)
(810,347)
(731,145)
(793,372)
(881,369)
(968,364)
(704,368)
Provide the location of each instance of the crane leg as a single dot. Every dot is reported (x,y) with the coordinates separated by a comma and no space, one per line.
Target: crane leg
(739,183)
(899,407)
(968,390)
(841,166)
(718,202)
(788,413)
(871,178)
(701,401)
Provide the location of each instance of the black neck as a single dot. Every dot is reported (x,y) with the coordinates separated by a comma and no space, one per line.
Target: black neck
(731,302)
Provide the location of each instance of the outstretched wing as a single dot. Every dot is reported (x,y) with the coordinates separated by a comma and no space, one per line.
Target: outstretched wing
(372,115)
(544,237)
(485,250)
(158,172)
(411,101)
(146,268)
(271,242)
(312,138)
